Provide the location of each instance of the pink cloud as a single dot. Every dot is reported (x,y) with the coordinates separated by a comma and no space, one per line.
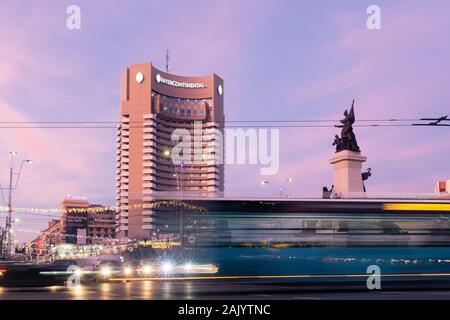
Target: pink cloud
(56,153)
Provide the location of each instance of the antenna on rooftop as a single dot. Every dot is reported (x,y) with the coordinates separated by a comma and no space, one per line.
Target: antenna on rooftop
(167,61)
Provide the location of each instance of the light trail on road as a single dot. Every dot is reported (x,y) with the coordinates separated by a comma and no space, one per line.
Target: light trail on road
(303,276)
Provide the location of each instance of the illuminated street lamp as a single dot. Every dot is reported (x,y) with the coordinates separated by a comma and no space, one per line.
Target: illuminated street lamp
(166,153)
(288,180)
(267,182)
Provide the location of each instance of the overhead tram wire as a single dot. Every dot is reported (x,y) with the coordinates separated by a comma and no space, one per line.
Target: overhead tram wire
(256,123)
(224,121)
(235,126)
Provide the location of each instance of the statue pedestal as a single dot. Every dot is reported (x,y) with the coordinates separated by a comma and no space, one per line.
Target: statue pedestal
(347,180)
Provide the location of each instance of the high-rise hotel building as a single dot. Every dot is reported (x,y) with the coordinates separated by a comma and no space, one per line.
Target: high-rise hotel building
(153,105)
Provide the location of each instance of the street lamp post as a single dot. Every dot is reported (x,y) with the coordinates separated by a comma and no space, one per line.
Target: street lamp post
(179,180)
(288,180)
(6,239)
(167,154)
(181,208)
(267,182)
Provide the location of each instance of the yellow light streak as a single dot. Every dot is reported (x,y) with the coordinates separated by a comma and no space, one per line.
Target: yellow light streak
(301,276)
(416,206)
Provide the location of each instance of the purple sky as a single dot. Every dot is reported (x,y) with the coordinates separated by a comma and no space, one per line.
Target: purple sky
(279,59)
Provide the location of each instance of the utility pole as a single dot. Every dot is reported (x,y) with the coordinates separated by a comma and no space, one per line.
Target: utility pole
(7,238)
(2,236)
(9,217)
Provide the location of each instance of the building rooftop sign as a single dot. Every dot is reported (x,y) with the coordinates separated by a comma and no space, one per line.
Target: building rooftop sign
(178,84)
(79,198)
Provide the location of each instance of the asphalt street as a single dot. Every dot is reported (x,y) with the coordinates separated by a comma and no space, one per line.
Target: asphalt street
(207,290)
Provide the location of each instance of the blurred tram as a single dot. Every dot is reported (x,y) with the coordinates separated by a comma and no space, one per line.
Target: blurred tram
(306,223)
(313,239)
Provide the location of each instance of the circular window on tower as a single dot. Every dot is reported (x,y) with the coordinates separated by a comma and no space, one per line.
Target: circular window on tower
(139,77)
(220,89)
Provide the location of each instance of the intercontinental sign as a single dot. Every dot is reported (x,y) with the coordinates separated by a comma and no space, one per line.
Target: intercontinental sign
(178,84)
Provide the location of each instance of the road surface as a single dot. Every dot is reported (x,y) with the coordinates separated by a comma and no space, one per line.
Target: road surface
(206,290)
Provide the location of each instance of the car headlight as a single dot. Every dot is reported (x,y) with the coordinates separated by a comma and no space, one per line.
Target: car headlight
(188,267)
(105,271)
(128,271)
(167,267)
(147,269)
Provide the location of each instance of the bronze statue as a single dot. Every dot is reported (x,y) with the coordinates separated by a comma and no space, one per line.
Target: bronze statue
(347,141)
(365,176)
(338,143)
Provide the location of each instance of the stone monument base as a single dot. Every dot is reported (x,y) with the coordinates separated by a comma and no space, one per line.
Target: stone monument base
(347,180)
